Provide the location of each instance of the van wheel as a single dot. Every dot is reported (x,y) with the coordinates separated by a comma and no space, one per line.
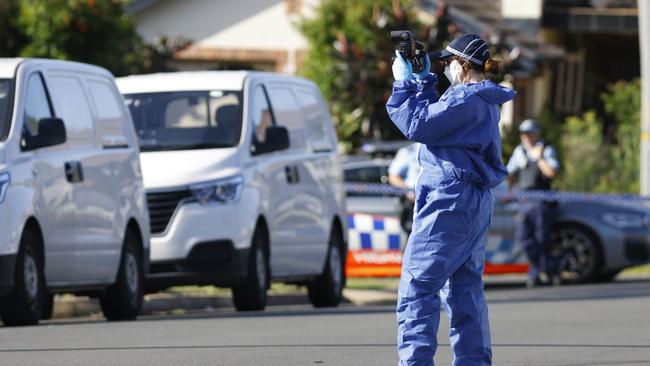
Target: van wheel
(327,289)
(122,301)
(251,295)
(48,307)
(24,305)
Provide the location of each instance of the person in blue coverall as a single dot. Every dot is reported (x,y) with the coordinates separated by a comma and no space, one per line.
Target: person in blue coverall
(460,156)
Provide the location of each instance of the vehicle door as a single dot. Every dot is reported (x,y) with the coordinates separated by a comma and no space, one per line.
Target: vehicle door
(321,166)
(277,183)
(54,195)
(90,174)
(121,160)
(306,252)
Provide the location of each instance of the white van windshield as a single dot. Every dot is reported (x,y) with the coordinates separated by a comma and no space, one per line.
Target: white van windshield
(5,106)
(186,120)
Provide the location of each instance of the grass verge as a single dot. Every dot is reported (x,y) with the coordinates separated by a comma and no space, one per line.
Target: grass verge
(638,271)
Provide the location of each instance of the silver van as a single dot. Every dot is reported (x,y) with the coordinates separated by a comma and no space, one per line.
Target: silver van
(73,214)
(244,183)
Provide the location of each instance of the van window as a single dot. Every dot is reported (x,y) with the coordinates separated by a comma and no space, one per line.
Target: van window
(103,97)
(109,127)
(6,91)
(260,113)
(72,106)
(37,104)
(287,113)
(186,120)
(317,126)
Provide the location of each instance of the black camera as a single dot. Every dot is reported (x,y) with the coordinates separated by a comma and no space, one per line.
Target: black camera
(410,49)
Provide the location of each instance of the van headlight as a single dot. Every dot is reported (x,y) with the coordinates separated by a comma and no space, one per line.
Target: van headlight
(225,190)
(5,180)
(625,220)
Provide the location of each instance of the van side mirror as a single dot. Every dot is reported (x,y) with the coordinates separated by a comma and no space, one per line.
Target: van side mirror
(51,131)
(277,138)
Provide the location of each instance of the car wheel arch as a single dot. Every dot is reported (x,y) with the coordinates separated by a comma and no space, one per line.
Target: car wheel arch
(337,224)
(34,227)
(261,224)
(133,226)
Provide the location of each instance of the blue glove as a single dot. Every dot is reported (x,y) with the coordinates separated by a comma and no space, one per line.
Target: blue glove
(402,69)
(427,67)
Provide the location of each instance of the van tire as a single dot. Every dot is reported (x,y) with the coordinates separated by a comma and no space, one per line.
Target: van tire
(252,294)
(327,289)
(24,305)
(122,301)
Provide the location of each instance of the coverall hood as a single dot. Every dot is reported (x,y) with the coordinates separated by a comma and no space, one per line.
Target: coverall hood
(493,93)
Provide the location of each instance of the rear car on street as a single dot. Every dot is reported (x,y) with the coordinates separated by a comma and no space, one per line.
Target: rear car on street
(243,181)
(594,241)
(73,214)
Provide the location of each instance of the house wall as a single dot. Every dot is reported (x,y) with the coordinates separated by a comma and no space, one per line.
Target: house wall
(256,31)
(524,15)
(521,9)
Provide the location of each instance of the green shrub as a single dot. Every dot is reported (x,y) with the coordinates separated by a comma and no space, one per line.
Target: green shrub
(592,163)
(586,156)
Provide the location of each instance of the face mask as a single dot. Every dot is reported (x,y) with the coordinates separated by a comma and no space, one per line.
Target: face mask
(453,72)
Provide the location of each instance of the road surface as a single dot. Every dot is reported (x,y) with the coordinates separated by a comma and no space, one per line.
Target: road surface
(569,326)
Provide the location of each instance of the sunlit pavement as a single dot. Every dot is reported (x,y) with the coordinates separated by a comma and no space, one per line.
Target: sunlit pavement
(606,324)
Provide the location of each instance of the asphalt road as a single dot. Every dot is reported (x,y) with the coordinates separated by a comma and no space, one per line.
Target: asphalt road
(576,325)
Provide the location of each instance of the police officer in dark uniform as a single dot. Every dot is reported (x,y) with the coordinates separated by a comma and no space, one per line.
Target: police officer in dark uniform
(533,166)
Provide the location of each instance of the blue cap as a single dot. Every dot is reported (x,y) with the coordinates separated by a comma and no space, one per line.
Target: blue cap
(529,126)
(469,47)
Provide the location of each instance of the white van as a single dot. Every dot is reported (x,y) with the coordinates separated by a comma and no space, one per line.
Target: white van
(73,215)
(243,181)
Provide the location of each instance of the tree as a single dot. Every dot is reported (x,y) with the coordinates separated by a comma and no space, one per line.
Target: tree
(96,32)
(349,57)
(12,40)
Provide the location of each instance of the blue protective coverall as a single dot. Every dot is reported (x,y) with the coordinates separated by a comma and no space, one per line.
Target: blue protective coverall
(460,157)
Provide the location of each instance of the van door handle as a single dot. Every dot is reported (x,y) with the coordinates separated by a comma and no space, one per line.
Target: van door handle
(292,174)
(74,172)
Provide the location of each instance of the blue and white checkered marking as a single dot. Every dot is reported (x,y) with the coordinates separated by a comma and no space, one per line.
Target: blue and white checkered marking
(499,250)
(379,233)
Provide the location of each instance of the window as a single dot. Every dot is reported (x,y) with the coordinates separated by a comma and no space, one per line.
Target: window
(317,126)
(570,83)
(104,99)
(109,126)
(367,174)
(37,104)
(186,120)
(72,106)
(260,113)
(287,113)
(371,174)
(6,91)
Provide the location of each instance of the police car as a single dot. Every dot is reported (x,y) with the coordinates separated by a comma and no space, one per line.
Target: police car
(594,240)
